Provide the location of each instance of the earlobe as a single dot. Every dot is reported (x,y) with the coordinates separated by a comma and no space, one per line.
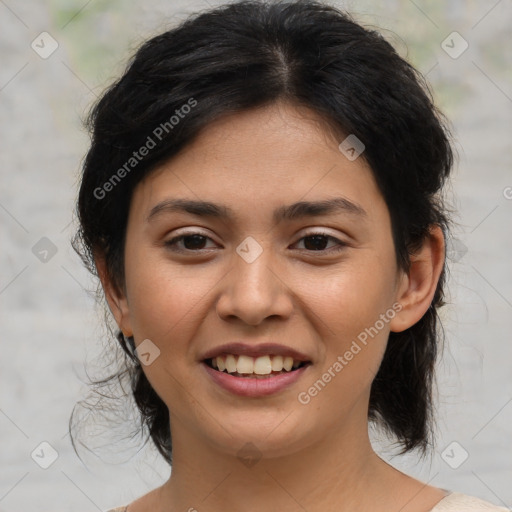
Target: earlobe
(116,299)
(416,290)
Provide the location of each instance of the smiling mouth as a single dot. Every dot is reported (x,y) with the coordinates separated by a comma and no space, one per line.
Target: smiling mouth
(264,367)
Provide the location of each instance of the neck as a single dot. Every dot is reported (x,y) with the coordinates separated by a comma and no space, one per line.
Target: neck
(338,472)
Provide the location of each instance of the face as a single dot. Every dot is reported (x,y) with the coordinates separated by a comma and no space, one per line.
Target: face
(311,280)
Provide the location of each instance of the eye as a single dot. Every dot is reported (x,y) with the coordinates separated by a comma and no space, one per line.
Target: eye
(317,242)
(193,242)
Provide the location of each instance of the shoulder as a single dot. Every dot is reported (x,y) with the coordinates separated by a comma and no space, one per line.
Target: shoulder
(118,509)
(458,502)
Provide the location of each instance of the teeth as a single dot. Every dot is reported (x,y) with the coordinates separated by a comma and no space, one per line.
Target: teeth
(277,363)
(263,365)
(220,363)
(288,363)
(245,364)
(230,363)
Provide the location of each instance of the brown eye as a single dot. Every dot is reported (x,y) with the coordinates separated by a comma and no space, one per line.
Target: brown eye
(317,242)
(191,242)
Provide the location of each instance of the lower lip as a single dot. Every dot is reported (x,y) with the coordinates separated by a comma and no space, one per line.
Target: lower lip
(253,387)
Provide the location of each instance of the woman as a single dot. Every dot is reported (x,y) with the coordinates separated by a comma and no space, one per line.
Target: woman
(262,202)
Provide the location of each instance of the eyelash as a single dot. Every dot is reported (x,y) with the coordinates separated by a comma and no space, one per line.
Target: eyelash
(171,244)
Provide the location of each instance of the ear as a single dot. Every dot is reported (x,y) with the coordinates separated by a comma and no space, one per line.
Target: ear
(116,299)
(416,288)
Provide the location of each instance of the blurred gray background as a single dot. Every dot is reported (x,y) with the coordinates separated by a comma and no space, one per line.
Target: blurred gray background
(50,326)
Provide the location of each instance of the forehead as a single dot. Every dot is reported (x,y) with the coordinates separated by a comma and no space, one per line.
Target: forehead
(262,159)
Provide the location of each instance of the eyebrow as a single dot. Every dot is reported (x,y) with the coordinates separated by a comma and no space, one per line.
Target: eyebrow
(293,211)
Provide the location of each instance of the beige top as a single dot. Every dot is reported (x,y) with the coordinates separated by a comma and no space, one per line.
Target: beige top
(458,502)
(454,502)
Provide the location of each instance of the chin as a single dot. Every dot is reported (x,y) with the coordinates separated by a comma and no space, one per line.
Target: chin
(257,437)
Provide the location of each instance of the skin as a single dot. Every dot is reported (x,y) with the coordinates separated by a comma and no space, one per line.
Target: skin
(314,457)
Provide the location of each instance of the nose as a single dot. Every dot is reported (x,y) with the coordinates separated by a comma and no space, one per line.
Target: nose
(255,291)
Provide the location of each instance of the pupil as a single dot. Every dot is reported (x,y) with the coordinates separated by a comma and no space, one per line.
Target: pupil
(316,238)
(198,239)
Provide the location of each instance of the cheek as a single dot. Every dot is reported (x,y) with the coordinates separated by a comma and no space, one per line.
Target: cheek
(166,307)
(155,311)
(350,297)
(347,306)
(161,298)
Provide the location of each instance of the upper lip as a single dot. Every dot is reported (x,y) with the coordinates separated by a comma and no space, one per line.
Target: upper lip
(253,350)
